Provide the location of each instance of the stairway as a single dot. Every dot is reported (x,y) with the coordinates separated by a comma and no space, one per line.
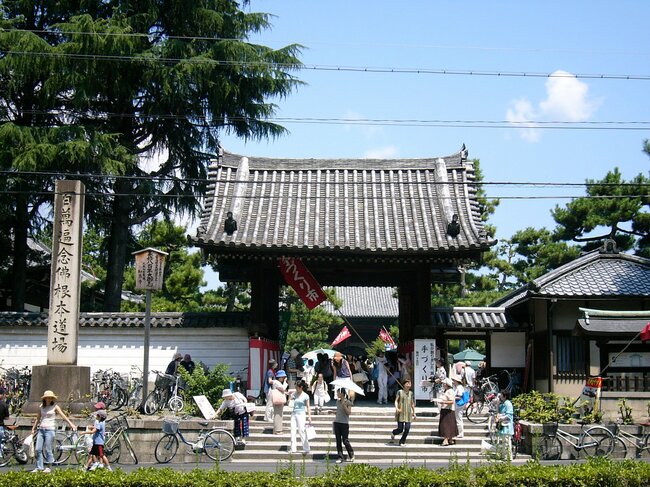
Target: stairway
(370,430)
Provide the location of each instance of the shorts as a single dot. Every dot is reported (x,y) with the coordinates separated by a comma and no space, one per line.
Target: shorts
(97,450)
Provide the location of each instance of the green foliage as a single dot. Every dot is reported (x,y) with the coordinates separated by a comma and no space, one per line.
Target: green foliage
(378,345)
(594,472)
(547,407)
(625,411)
(201,383)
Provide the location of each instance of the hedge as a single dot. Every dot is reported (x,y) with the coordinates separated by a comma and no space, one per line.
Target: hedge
(594,473)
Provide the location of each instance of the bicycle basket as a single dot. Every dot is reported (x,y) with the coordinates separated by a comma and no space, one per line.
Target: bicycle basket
(549,429)
(164,380)
(116,423)
(170,425)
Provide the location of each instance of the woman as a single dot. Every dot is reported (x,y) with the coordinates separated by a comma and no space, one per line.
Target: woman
(505,424)
(342,426)
(300,415)
(46,424)
(341,370)
(279,387)
(447,427)
(459,391)
(268,385)
(404,412)
(236,403)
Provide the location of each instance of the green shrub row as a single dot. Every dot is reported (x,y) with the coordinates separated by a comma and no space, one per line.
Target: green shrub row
(549,407)
(595,473)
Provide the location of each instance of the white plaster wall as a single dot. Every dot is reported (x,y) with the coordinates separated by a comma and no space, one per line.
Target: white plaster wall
(508,349)
(119,348)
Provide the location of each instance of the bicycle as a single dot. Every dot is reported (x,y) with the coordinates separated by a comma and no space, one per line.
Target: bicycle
(165,393)
(641,444)
(110,388)
(11,447)
(217,444)
(134,392)
(513,382)
(595,441)
(116,433)
(481,398)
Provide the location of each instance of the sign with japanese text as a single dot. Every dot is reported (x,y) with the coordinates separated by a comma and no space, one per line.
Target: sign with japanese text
(149,269)
(300,279)
(65,279)
(424,364)
(590,394)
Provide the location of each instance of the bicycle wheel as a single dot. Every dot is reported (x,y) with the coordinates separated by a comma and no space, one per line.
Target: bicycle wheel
(597,441)
(550,448)
(119,398)
(62,448)
(166,448)
(620,449)
(8,451)
(474,412)
(176,404)
(112,447)
(19,453)
(514,448)
(82,449)
(129,447)
(151,405)
(644,451)
(219,445)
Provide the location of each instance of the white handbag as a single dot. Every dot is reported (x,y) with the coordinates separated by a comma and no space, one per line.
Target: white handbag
(310,431)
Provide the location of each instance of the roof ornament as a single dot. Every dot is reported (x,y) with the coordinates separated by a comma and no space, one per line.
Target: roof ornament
(453,227)
(609,246)
(230,225)
(463,153)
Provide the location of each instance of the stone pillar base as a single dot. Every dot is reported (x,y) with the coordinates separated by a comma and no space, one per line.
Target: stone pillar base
(71,383)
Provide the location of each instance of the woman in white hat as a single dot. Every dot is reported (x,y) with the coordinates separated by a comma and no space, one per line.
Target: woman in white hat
(447,427)
(46,424)
(236,403)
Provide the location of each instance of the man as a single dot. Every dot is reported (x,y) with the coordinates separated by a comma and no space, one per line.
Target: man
(470,375)
(4,413)
(292,368)
(382,378)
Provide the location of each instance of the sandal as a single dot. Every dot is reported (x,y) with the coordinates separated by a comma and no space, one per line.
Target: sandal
(444,443)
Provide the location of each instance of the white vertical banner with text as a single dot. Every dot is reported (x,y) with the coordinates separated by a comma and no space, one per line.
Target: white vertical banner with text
(424,364)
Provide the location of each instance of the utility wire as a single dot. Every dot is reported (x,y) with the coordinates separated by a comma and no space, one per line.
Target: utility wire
(519,124)
(323,67)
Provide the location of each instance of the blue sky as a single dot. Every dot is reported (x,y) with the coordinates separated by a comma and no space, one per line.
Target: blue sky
(577,37)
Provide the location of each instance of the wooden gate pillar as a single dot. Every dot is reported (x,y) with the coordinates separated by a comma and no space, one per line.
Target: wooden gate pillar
(265,297)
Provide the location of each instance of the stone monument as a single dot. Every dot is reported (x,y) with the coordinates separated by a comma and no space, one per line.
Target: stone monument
(69,381)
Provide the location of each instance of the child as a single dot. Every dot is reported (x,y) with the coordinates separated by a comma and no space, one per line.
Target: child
(97,451)
(319,390)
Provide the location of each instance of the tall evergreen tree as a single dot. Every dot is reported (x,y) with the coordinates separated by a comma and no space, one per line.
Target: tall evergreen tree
(111,83)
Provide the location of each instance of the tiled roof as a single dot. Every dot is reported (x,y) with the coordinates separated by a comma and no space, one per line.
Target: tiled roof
(621,324)
(596,274)
(366,302)
(472,317)
(134,320)
(378,206)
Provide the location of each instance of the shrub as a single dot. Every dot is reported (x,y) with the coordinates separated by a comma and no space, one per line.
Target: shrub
(204,383)
(545,408)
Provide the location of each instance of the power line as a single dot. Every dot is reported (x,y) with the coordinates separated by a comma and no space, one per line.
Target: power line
(538,184)
(323,67)
(439,123)
(345,44)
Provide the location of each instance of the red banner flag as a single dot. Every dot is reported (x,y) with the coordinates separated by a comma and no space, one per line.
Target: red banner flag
(301,280)
(344,335)
(385,337)
(645,333)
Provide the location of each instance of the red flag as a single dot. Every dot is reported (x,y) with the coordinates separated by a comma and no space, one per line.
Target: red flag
(645,333)
(344,335)
(301,280)
(385,337)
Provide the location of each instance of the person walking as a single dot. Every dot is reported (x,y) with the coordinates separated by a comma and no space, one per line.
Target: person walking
(341,426)
(461,404)
(268,386)
(447,426)
(341,370)
(382,378)
(470,375)
(404,412)
(300,417)
(505,424)
(46,424)
(320,393)
(279,389)
(236,403)
(97,456)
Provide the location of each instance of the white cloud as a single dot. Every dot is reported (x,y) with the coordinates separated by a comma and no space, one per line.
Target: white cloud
(567,99)
(388,152)
(367,131)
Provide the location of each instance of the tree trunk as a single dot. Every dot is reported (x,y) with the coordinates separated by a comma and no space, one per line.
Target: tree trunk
(19,270)
(117,248)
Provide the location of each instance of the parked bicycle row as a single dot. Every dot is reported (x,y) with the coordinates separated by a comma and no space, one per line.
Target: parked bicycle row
(17,383)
